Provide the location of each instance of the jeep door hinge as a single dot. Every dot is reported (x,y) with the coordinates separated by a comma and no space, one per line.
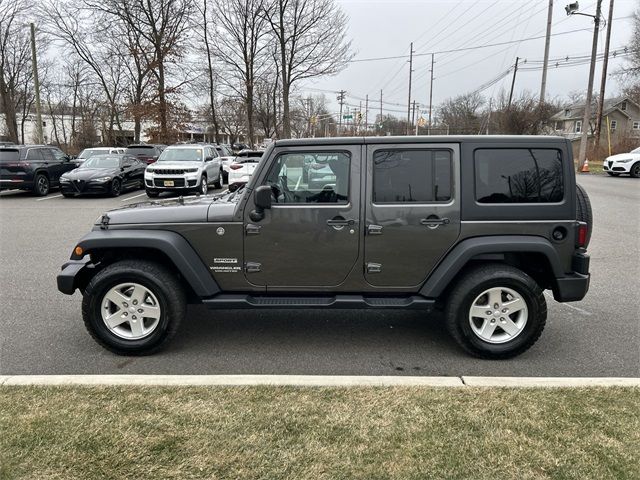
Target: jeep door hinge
(252,229)
(252,267)
(374,267)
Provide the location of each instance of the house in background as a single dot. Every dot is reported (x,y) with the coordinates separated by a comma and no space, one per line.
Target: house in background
(621,115)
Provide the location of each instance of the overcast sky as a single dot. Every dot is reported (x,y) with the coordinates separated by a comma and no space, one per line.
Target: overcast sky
(384,28)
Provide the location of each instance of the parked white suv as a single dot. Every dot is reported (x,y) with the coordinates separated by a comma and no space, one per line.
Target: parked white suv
(623,163)
(242,168)
(184,168)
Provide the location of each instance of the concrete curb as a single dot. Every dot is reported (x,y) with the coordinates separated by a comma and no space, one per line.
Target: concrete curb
(314,381)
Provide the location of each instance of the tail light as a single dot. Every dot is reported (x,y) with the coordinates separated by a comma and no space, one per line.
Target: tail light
(235,166)
(581,237)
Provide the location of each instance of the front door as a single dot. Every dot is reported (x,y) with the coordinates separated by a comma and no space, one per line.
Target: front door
(412,211)
(310,235)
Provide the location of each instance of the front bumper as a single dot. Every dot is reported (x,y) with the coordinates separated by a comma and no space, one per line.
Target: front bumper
(179,182)
(616,167)
(74,275)
(85,187)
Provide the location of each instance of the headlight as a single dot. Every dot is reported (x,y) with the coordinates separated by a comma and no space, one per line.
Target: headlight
(64,180)
(101,179)
(149,170)
(626,160)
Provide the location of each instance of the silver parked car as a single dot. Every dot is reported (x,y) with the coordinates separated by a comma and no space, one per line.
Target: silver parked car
(184,168)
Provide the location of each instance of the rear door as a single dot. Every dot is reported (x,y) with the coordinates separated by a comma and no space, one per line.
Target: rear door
(309,237)
(412,211)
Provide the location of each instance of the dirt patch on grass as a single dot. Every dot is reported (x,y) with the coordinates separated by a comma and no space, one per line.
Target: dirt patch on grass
(296,433)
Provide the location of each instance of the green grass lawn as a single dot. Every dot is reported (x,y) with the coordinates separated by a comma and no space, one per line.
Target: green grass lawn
(318,433)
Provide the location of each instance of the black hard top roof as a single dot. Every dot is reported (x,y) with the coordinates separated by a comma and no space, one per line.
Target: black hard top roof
(420,139)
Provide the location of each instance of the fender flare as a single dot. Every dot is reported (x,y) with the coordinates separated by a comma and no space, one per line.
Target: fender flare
(459,256)
(179,251)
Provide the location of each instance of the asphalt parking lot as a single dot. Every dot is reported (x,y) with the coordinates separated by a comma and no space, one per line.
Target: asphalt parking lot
(41,330)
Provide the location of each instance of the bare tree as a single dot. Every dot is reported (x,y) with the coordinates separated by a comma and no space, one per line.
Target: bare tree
(74,27)
(311,36)
(15,64)
(241,44)
(160,30)
(462,113)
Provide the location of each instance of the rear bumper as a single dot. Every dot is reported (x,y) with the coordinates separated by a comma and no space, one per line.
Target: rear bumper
(574,286)
(15,184)
(73,275)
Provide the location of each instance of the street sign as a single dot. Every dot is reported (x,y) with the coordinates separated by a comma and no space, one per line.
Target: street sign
(347,117)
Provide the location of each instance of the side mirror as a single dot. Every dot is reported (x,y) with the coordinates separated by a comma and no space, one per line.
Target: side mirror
(208,159)
(262,201)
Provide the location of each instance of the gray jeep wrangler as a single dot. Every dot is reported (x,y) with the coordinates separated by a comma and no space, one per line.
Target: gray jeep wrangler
(478,226)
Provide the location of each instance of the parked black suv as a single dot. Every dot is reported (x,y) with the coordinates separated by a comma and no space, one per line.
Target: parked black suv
(32,167)
(479,226)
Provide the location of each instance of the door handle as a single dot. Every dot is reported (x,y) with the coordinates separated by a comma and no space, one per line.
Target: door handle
(340,222)
(433,221)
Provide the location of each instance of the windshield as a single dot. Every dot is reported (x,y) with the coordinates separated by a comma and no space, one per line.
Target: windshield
(252,154)
(637,150)
(92,152)
(101,161)
(9,155)
(181,155)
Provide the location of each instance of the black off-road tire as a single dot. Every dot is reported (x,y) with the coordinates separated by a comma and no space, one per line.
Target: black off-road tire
(41,185)
(583,210)
(475,281)
(634,171)
(156,278)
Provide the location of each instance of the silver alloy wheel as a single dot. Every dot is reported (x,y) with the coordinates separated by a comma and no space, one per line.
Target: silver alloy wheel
(498,315)
(130,311)
(204,188)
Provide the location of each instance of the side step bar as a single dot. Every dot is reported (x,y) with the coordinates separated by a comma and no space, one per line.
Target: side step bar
(225,300)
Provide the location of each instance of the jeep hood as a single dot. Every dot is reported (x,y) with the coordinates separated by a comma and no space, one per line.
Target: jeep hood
(195,209)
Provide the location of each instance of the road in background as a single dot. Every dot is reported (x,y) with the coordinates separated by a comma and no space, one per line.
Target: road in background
(41,330)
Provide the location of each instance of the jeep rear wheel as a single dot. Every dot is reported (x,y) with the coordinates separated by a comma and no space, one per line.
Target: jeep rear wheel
(583,211)
(496,311)
(133,307)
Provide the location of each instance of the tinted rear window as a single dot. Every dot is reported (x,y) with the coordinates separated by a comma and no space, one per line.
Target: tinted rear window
(518,175)
(142,150)
(406,176)
(9,155)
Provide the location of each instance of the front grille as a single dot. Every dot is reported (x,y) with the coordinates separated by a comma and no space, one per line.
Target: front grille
(79,185)
(610,163)
(173,171)
(618,169)
(177,182)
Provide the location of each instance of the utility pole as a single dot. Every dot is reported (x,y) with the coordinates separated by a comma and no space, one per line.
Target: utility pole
(36,84)
(359,114)
(489,117)
(513,82)
(603,81)
(582,156)
(413,117)
(430,95)
(380,111)
(340,99)
(409,101)
(543,86)
(366,114)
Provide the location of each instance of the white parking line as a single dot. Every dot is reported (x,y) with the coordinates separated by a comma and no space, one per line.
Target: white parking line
(48,198)
(579,310)
(130,198)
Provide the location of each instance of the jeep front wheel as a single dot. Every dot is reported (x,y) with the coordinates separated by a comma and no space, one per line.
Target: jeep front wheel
(133,307)
(496,312)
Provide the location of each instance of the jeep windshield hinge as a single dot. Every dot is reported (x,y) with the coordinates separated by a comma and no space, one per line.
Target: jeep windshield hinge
(374,267)
(252,229)
(104,222)
(252,267)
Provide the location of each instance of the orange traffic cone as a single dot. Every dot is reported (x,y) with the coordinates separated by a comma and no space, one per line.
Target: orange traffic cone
(585,166)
